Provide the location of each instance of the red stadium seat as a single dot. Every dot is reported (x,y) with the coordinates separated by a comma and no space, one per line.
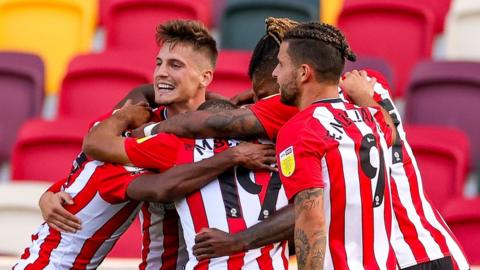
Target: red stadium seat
(45,150)
(443,157)
(463,217)
(447,93)
(399,32)
(130,243)
(231,73)
(130,24)
(94,83)
(21,95)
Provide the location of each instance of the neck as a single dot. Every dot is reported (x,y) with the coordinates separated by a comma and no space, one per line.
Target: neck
(183,107)
(317,91)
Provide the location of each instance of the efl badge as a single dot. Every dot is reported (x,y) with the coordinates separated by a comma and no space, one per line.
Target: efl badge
(287,161)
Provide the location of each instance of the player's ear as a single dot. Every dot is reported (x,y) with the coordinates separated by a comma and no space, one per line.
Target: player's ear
(207,77)
(305,72)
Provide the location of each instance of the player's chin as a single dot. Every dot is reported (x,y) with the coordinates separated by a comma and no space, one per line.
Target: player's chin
(164,99)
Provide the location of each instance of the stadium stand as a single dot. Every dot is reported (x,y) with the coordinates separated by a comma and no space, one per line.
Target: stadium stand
(443,157)
(376,29)
(242,23)
(446,93)
(230,77)
(461,38)
(45,150)
(94,83)
(21,95)
(130,24)
(33,26)
(15,233)
(463,217)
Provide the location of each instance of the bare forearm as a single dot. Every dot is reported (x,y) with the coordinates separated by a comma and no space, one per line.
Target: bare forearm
(180,180)
(143,92)
(276,228)
(310,231)
(104,141)
(239,123)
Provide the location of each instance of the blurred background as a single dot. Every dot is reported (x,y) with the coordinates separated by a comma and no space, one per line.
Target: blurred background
(65,62)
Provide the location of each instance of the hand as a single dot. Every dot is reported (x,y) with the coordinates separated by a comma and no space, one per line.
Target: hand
(358,85)
(136,114)
(255,156)
(245,97)
(57,217)
(212,243)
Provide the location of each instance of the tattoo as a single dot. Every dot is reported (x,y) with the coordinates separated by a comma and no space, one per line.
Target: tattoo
(237,123)
(308,200)
(302,248)
(310,232)
(318,250)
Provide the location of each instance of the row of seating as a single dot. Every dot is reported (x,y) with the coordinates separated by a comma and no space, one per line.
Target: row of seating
(373,27)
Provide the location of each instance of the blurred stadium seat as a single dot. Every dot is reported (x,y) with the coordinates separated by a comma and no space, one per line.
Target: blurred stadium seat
(21,95)
(243,22)
(95,83)
(131,24)
(231,74)
(447,93)
(54,29)
(461,34)
(45,150)
(374,63)
(379,28)
(463,217)
(443,157)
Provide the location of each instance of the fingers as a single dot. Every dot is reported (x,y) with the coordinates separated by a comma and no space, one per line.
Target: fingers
(204,253)
(61,224)
(65,198)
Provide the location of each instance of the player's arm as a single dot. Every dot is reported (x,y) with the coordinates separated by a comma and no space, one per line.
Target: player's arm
(212,243)
(143,93)
(181,180)
(360,89)
(238,123)
(105,142)
(310,229)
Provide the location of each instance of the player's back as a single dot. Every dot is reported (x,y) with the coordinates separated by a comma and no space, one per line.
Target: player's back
(237,200)
(98,191)
(349,142)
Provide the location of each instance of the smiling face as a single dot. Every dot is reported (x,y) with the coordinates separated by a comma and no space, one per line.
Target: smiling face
(286,75)
(179,74)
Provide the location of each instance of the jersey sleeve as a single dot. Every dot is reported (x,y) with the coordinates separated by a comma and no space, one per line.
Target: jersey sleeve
(57,186)
(382,124)
(154,152)
(300,160)
(114,182)
(272,114)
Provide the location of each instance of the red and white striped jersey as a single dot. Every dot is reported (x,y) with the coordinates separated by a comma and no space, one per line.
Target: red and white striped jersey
(339,147)
(99,194)
(247,198)
(237,200)
(419,232)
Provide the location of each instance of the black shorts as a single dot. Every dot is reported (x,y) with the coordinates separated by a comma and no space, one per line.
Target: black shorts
(444,263)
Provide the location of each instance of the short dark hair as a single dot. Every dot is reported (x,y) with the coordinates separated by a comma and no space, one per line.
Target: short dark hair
(188,32)
(322,46)
(217,105)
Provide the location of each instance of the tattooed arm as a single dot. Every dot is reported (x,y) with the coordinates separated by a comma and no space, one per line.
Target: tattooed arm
(310,231)
(238,123)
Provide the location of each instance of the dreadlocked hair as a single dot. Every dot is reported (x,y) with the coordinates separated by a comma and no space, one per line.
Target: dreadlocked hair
(322,46)
(264,57)
(188,32)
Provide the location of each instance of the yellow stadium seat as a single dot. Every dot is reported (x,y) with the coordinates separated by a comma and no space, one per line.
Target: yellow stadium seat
(329,10)
(54,29)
